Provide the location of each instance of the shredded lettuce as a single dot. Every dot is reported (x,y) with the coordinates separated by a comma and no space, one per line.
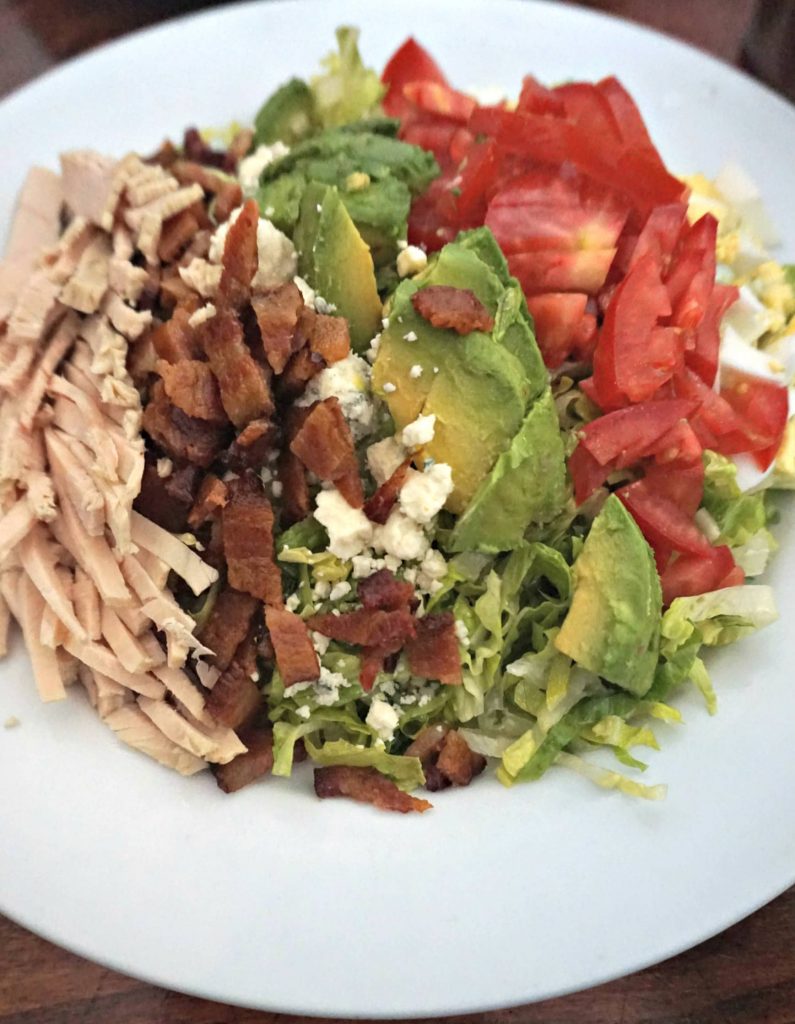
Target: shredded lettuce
(741,519)
(346,91)
(405,772)
(611,780)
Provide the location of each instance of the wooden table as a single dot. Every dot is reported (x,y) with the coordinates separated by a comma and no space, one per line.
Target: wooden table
(744,976)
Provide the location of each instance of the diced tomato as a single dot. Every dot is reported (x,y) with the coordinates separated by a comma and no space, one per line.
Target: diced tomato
(433,134)
(552,225)
(587,475)
(631,125)
(622,363)
(681,484)
(590,110)
(735,578)
(409,63)
(691,276)
(535,98)
(559,270)
(662,522)
(679,445)
(704,354)
(624,436)
(660,234)
(460,144)
(762,407)
(475,174)
(558,317)
(689,575)
(436,98)
(584,338)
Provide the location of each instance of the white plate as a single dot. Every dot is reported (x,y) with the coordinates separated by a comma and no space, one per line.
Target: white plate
(273,899)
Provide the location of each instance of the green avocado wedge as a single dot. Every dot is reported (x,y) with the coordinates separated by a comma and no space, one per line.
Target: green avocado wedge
(286,116)
(613,625)
(336,261)
(527,485)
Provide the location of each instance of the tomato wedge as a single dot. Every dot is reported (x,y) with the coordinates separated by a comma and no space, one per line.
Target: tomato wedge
(561,270)
(703,355)
(561,325)
(587,475)
(624,436)
(660,234)
(437,98)
(662,522)
(689,575)
(762,407)
(535,98)
(410,63)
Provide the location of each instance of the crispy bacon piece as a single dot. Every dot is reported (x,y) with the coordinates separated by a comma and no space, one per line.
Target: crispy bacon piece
(228,625)
(295,488)
(228,193)
(457,309)
(245,392)
(433,653)
(235,697)
(240,257)
(295,656)
(325,446)
(428,742)
(176,234)
(248,767)
(248,546)
(301,368)
(380,504)
(240,145)
(278,311)
(456,762)
(141,357)
(211,498)
(195,148)
(252,445)
(179,435)
(174,292)
(329,338)
(192,387)
(385,591)
(167,501)
(368,627)
(367,786)
(175,339)
(371,664)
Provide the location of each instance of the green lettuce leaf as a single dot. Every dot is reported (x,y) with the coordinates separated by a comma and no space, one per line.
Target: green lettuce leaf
(346,90)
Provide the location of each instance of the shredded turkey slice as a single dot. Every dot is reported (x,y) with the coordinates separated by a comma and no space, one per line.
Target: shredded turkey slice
(86,601)
(185,562)
(183,689)
(133,727)
(92,554)
(217,745)
(27,606)
(102,659)
(14,525)
(56,349)
(38,561)
(124,645)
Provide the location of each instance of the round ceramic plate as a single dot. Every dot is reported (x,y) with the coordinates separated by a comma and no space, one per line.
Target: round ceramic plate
(272,898)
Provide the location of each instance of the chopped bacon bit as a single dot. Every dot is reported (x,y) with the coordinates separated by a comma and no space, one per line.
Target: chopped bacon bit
(371,664)
(245,392)
(175,339)
(239,146)
(174,292)
(235,697)
(179,435)
(165,156)
(191,386)
(296,504)
(240,257)
(301,368)
(252,445)
(177,232)
(329,338)
(141,357)
(248,767)
(228,193)
(228,625)
(428,742)
(295,656)
(433,653)
(278,311)
(457,762)
(211,499)
(457,309)
(367,786)
(368,627)
(385,591)
(325,446)
(248,546)
(197,149)
(378,507)
(168,501)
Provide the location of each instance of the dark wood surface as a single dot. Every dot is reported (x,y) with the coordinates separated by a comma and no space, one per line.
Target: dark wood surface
(744,976)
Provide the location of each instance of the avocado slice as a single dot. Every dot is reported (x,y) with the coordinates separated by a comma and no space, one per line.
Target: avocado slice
(335,260)
(613,625)
(288,115)
(380,210)
(482,242)
(513,329)
(527,485)
(280,200)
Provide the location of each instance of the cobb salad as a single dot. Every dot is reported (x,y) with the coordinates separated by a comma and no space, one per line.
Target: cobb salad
(398,431)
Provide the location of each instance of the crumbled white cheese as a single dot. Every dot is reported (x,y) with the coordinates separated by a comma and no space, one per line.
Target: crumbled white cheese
(392,563)
(400,536)
(202,314)
(303,711)
(410,336)
(389,388)
(420,432)
(277,488)
(372,351)
(320,643)
(385,322)
(436,369)
(328,687)
(340,590)
(292,602)
(410,576)
(415,372)
(424,494)
(323,306)
(432,569)
(349,382)
(265,475)
(251,167)
(462,633)
(402,243)
(382,719)
(365,565)
(321,590)
(384,457)
(411,261)
(164,467)
(349,529)
(277,259)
